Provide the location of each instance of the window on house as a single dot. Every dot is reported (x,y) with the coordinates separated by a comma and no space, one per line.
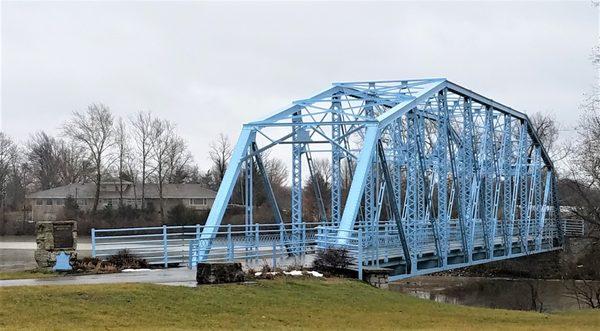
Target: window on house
(59,202)
(39,202)
(199,201)
(82,202)
(48,202)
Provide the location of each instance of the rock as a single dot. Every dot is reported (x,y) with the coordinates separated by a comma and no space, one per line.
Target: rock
(378,277)
(52,238)
(219,273)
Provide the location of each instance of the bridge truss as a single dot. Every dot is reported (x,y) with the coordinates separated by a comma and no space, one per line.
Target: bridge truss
(424,175)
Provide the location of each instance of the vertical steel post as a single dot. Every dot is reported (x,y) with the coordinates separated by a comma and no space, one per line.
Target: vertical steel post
(257,240)
(165,246)
(442,177)
(282,235)
(507,184)
(466,175)
(299,136)
(336,155)
(360,254)
(489,218)
(229,244)
(93,242)
(248,194)
(274,257)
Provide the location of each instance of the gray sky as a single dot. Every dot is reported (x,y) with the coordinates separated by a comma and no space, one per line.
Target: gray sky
(209,67)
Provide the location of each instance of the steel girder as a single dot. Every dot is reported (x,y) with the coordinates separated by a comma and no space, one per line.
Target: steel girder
(464,178)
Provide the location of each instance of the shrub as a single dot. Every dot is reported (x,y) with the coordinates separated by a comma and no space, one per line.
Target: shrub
(125,260)
(332,259)
(180,214)
(71,208)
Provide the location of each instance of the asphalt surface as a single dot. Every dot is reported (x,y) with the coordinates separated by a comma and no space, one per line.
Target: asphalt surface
(172,276)
(16,252)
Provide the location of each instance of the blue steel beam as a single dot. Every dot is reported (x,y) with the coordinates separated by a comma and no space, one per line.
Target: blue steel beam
(225,189)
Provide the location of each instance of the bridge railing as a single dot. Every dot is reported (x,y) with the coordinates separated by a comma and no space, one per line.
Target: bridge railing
(181,244)
(376,245)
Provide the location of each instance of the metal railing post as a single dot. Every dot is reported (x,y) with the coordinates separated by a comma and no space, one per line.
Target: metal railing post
(256,240)
(360,255)
(303,239)
(281,234)
(274,257)
(190,255)
(165,247)
(229,244)
(93,242)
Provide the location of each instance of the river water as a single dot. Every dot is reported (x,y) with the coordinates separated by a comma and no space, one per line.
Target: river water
(550,295)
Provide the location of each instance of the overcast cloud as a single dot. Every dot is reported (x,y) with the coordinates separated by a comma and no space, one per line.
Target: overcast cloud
(209,67)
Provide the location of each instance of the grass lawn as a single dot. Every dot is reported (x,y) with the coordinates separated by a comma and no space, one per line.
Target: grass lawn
(27,274)
(279,304)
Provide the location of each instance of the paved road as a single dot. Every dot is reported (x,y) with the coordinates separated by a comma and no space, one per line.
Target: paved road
(172,276)
(16,252)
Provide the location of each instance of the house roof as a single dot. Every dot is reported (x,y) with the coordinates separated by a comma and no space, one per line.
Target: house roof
(88,190)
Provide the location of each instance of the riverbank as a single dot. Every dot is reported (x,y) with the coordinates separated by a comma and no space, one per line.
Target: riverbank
(546,295)
(278,304)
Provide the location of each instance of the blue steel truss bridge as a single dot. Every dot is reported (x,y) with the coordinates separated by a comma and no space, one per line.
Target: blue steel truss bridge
(424,175)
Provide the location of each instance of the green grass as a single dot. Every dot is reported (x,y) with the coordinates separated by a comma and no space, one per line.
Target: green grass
(27,274)
(279,304)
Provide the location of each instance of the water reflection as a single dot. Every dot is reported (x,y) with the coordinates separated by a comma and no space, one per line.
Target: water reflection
(520,294)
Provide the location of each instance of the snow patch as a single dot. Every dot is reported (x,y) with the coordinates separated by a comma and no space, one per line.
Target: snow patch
(293,273)
(134,270)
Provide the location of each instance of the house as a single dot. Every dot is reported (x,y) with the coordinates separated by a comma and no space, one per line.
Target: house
(48,204)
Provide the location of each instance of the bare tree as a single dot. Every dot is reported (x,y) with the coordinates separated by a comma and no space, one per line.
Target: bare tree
(54,163)
(73,164)
(162,139)
(8,157)
(94,130)
(121,142)
(585,171)
(142,136)
(547,130)
(318,184)
(42,154)
(219,153)
(277,172)
(133,175)
(178,160)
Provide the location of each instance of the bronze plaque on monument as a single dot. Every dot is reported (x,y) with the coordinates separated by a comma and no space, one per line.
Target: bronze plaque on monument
(63,235)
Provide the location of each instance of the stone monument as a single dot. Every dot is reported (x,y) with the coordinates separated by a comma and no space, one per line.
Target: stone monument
(52,238)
